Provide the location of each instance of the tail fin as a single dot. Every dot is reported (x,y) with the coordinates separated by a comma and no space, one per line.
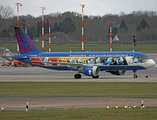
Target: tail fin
(26,45)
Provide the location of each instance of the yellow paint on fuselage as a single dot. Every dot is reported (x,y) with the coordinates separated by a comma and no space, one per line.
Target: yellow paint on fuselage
(67,59)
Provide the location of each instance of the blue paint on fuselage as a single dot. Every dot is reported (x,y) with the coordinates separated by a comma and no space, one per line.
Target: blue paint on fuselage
(80,54)
(26,59)
(91,54)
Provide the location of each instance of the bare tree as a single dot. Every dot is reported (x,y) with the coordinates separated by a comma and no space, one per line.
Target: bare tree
(5,12)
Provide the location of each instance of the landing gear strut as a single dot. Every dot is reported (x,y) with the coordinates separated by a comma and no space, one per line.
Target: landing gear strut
(77,76)
(135,75)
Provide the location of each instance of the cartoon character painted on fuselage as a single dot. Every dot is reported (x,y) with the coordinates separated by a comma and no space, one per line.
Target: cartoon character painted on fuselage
(98,60)
(90,61)
(80,60)
(62,60)
(72,60)
(109,61)
(120,61)
(136,60)
(45,60)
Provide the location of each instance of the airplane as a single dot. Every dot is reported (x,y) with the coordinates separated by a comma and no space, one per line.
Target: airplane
(87,63)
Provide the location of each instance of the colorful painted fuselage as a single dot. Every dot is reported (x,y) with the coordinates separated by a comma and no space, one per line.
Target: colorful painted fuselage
(106,61)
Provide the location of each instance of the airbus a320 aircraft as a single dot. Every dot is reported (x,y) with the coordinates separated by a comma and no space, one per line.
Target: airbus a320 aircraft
(87,63)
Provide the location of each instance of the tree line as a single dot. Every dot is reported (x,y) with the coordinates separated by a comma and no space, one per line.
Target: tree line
(67,27)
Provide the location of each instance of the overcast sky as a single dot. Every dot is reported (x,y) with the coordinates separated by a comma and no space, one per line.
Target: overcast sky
(93,7)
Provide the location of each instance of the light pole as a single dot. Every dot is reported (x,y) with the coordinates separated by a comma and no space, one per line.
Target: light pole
(135,40)
(18,22)
(43,8)
(18,13)
(26,27)
(83,5)
(49,37)
(110,36)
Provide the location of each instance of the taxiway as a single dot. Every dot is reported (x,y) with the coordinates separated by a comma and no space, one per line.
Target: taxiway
(50,103)
(37,74)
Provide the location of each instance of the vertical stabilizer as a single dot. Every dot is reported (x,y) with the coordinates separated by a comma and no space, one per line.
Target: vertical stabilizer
(26,45)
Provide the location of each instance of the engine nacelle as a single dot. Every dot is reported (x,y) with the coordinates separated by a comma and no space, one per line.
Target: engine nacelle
(91,71)
(118,72)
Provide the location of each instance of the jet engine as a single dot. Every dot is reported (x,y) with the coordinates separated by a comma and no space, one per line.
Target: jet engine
(117,72)
(91,71)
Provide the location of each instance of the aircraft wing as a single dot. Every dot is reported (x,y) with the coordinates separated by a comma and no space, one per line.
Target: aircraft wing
(20,57)
(6,56)
(10,58)
(74,65)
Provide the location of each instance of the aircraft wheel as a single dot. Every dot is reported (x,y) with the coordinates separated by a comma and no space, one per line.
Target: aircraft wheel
(95,76)
(135,76)
(77,76)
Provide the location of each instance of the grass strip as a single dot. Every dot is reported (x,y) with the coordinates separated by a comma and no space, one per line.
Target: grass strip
(86,114)
(84,89)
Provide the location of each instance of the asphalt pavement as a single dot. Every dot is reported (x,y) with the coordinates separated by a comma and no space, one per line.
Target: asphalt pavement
(37,74)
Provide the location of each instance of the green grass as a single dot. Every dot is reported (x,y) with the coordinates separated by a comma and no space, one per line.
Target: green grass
(19,89)
(145,49)
(87,114)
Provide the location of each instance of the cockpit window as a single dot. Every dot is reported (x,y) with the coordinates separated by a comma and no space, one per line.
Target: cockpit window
(140,59)
(144,57)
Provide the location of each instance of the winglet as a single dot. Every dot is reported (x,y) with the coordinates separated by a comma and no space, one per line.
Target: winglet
(26,45)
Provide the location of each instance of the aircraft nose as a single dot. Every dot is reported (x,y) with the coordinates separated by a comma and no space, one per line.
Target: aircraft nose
(151,63)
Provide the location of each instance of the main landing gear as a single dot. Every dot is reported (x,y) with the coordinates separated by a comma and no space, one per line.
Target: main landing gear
(135,75)
(95,76)
(77,76)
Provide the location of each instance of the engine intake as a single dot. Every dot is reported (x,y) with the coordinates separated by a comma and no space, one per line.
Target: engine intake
(91,71)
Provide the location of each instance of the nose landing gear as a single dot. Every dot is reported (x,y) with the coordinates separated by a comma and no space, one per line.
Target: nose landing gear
(135,75)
